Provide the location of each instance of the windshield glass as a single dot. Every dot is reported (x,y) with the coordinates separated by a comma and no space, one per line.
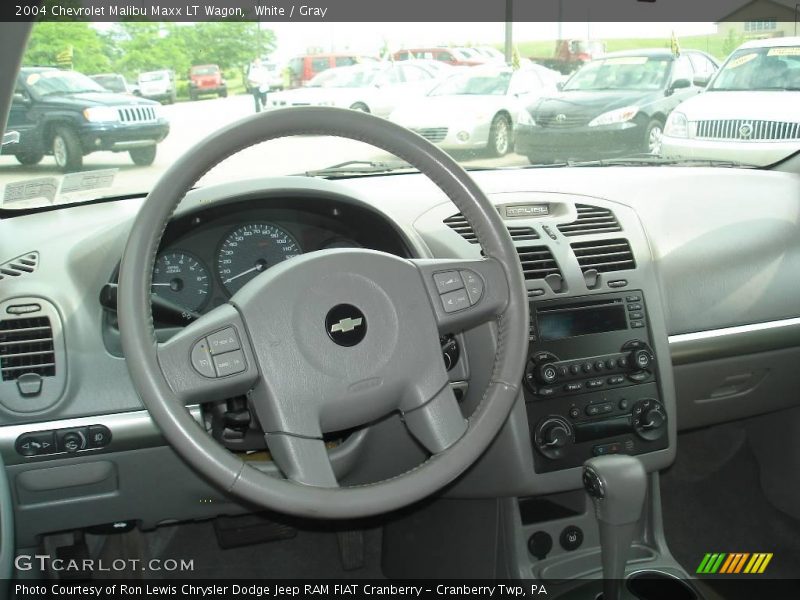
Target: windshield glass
(47,82)
(482,84)
(490,94)
(621,73)
(761,69)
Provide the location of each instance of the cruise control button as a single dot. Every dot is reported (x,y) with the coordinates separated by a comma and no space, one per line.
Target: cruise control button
(455,301)
(447,281)
(201,359)
(223,341)
(229,363)
(474,286)
(34,444)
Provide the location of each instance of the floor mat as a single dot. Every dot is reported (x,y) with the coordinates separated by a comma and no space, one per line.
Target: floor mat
(722,509)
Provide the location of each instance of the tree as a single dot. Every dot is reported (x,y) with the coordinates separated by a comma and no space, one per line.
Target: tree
(227,44)
(732,41)
(90,52)
(145,46)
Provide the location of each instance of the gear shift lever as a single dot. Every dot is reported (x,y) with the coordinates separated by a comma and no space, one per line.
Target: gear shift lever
(617,486)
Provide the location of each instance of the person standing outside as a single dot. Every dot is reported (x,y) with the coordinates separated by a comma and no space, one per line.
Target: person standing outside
(258,84)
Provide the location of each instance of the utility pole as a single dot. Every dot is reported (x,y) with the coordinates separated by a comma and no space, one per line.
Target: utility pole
(509,38)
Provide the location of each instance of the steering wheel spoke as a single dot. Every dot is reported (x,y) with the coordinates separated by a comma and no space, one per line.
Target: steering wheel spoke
(210,359)
(438,423)
(302,459)
(464,293)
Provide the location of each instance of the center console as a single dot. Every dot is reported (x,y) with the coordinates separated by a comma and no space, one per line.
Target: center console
(591,382)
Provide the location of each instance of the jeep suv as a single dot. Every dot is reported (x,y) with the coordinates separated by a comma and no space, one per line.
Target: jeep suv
(206,79)
(68,115)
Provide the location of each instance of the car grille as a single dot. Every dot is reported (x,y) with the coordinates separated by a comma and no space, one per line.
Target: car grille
(433,134)
(552,120)
(137,114)
(744,129)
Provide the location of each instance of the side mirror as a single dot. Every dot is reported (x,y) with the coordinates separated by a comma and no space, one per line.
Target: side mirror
(702,79)
(680,84)
(21,97)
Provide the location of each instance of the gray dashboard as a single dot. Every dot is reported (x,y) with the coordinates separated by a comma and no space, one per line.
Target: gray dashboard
(717,251)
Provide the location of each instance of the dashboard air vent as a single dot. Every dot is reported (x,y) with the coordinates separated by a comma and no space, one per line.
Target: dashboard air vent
(537,262)
(26,346)
(591,219)
(459,224)
(21,265)
(604,255)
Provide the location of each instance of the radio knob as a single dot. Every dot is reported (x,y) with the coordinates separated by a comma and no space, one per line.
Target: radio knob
(546,373)
(641,359)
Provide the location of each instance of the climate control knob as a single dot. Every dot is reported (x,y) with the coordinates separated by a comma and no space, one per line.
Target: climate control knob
(552,435)
(649,419)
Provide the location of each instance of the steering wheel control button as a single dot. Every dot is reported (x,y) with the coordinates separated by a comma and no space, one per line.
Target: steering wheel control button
(474,286)
(99,436)
(455,301)
(571,538)
(71,440)
(229,363)
(201,359)
(447,281)
(346,325)
(35,444)
(223,341)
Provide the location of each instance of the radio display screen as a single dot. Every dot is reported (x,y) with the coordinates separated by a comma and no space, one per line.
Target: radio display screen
(555,324)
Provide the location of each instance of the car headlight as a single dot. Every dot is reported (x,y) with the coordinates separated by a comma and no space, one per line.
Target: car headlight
(612,117)
(677,125)
(99,114)
(525,118)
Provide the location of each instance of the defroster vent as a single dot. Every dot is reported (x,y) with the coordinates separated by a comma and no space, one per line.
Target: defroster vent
(21,265)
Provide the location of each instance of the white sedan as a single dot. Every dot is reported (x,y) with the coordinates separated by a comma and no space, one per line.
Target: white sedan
(749,113)
(477,108)
(374,88)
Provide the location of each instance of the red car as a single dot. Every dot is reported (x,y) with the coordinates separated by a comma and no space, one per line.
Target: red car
(458,57)
(206,79)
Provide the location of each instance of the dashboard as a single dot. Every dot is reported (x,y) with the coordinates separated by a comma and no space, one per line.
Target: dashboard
(714,273)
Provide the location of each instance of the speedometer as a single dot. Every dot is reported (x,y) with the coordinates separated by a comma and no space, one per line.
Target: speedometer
(182,279)
(251,249)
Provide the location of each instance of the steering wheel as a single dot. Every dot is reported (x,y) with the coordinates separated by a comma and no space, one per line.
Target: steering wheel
(329,340)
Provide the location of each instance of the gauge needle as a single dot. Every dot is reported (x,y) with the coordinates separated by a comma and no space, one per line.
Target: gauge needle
(243,273)
(164,284)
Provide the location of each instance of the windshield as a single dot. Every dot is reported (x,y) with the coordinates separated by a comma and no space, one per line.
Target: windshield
(482,84)
(491,96)
(43,83)
(621,73)
(761,69)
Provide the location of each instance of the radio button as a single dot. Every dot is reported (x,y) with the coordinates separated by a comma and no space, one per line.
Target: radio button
(598,366)
(573,387)
(587,367)
(634,307)
(633,298)
(563,371)
(637,324)
(594,383)
(637,315)
(638,376)
(574,413)
(606,408)
(611,364)
(592,410)
(574,369)
(623,404)
(545,391)
(615,380)
(622,362)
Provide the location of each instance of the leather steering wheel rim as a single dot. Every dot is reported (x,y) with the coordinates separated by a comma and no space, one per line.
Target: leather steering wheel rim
(194,444)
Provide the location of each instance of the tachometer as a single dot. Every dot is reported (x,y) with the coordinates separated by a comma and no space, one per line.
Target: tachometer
(251,249)
(182,279)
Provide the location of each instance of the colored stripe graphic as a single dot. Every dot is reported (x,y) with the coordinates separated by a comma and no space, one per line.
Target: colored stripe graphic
(734,563)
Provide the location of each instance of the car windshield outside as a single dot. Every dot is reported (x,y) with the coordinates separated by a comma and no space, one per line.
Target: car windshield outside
(755,69)
(621,73)
(44,82)
(491,95)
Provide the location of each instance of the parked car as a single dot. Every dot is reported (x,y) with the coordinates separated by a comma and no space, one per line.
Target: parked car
(68,115)
(206,79)
(613,106)
(114,82)
(458,57)
(158,85)
(749,113)
(303,68)
(376,88)
(476,108)
(492,55)
(569,55)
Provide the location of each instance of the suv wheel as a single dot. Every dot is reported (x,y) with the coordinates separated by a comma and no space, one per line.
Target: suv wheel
(499,136)
(67,149)
(29,158)
(143,157)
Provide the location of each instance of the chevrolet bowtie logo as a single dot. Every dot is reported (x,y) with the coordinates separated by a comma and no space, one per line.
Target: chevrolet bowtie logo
(346,325)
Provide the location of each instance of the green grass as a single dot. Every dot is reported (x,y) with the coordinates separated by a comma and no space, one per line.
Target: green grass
(713,44)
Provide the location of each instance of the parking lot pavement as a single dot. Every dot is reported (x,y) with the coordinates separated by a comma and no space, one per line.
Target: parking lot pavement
(190,122)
